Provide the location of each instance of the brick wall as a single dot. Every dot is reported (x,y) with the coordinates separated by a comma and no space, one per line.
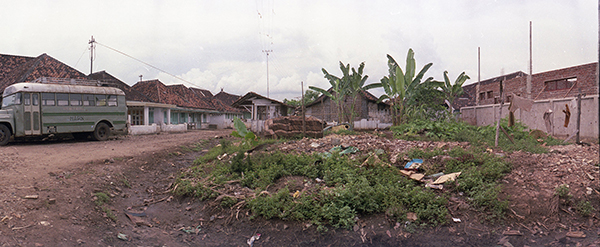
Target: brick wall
(585,76)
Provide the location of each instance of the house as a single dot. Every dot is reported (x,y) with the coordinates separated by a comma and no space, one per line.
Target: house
(14,69)
(194,107)
(551,92)
(152,106)
(369,113)
(260,108)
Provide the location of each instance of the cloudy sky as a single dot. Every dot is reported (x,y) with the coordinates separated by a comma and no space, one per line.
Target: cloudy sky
(220,44)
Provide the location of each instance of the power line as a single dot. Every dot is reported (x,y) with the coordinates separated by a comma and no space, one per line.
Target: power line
(150,65)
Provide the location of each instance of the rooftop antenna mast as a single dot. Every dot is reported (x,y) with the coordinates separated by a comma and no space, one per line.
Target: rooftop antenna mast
(92,46)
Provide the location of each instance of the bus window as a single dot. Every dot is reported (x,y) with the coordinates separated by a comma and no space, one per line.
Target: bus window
(62,99)
(88,100)
(13,99)
(35,99)
(112,100)
(100,99)
(48,99)
(75,99)
(26,99)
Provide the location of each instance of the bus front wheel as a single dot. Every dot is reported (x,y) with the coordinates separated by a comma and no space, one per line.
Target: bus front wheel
(4,135)
(101,132)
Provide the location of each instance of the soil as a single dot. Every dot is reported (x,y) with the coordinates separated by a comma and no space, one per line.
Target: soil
(52,191)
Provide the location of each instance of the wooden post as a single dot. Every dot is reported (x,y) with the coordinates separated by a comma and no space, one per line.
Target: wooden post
(303,115)
(578,115)
(499,114)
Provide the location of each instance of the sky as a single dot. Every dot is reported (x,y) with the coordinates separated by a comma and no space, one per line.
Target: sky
(223,44)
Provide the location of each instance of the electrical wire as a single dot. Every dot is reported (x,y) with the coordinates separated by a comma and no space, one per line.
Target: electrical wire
(85,50)
(150,65)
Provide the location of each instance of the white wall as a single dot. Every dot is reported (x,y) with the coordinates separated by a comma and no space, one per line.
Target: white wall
(488,114)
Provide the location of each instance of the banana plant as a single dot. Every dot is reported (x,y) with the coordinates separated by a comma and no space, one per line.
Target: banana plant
(400,86)
(339,89)
(452,91)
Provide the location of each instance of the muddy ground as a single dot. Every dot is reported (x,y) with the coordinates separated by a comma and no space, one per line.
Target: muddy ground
(49,197)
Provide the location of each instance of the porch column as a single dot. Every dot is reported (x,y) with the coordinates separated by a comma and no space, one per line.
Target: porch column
(146,111)
(168,116)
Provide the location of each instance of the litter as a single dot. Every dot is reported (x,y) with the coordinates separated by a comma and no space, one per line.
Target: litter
(457,220)
(413,164)
(447,177)
(435,186)
(252,239)
(122,236)
(190,229)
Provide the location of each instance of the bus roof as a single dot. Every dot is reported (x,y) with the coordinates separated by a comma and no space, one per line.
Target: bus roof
(58,88)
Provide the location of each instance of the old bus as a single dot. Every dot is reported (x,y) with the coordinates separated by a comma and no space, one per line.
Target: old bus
(42,109)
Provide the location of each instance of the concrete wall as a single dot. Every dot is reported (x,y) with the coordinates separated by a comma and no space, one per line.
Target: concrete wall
(534,119)
(156,128)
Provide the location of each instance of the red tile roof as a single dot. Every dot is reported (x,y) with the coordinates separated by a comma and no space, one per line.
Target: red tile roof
(21,69)
(130,93)
(181,96)
(227,98)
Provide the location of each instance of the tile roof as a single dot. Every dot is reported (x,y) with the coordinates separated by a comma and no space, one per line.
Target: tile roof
(130,93)
(226,98)
(366,94)
(181,96)
(21,69)
(244,100)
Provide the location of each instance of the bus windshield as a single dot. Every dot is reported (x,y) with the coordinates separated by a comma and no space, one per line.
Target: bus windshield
(13,99)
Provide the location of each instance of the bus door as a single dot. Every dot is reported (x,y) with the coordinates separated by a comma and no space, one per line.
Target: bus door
(31,113)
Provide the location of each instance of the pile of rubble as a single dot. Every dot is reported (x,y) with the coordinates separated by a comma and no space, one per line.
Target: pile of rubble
(291,127)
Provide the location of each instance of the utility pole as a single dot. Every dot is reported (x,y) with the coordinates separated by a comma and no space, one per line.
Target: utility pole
(530,65)
(477,99)
(303,114)
(267,52)
(92,46)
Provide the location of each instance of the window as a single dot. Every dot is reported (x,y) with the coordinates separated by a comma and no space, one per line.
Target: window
(112,100)
(13,99)
(88,100)
(35,99)
(137,116)
(26,99)
(75,99)
(183,117)
(48,99)
(174,118)
(62,99)
(151,115)
(100,100)
(482,95)
(490,94)
(165,117)
(561,84)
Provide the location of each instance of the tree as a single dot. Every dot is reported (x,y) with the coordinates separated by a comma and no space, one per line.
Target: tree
(452,91)
(401,86)
(338,92)
(309,96)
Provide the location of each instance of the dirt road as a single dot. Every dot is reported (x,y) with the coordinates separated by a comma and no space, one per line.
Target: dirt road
(25,162)
(47,187)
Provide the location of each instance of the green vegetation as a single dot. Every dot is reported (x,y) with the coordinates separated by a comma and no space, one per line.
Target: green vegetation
(337,189)
(585,208)
(563,192)
(101,198)
(451,130)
